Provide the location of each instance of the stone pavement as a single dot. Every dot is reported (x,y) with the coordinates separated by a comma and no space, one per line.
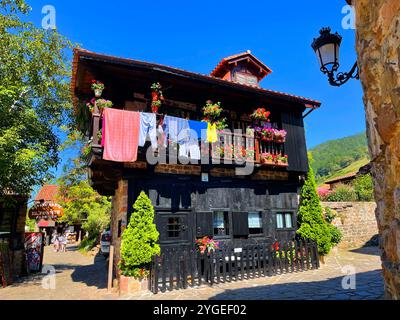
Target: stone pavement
(78,277)
(84,277)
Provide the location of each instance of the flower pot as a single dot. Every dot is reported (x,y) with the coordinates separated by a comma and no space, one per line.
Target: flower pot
(154,96)
(266,139)
(98,93)
(131,284)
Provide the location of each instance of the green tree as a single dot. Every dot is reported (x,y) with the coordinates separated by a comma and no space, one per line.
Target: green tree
(84,205)
(34,98)
(139,240)
(310,216)
(364,188)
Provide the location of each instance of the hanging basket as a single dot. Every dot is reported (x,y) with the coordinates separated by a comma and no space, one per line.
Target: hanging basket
(98,93)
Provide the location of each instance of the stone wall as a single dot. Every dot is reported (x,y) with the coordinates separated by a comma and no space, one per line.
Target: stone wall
(357,222)
(378,43)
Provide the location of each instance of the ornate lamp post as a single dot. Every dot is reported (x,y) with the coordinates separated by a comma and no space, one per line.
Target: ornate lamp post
(326,47)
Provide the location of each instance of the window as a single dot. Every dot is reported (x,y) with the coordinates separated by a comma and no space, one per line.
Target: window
(174,227)
(221,223)
(284,220)
(255,223)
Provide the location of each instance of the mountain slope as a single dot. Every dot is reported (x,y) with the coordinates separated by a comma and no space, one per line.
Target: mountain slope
(338,157)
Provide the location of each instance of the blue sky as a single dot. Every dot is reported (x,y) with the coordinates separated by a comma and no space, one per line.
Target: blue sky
(195,35)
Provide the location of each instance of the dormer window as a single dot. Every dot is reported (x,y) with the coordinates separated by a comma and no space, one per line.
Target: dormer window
(243,68)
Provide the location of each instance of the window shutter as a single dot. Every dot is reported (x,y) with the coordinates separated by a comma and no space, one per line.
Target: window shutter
(204,224)
(240,224)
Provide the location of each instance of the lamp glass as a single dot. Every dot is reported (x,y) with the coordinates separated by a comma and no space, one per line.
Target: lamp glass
(328,56)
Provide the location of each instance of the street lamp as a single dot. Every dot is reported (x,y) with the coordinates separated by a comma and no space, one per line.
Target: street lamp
(326,47)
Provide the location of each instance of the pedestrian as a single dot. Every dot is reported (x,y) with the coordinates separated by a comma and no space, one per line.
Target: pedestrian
(55,241)
(63,242)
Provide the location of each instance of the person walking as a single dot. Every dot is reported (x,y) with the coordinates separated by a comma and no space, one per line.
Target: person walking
(63,242)
(55,241)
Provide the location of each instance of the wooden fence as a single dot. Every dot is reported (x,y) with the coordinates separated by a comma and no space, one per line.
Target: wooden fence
(176,269)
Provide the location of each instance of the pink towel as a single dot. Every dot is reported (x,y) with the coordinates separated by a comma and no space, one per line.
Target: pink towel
(120,135)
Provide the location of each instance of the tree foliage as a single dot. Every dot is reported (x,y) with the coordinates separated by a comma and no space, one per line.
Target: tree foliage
(81,204)
(139,240)
(34,98)
(364,188)
(335,155)
(311,220)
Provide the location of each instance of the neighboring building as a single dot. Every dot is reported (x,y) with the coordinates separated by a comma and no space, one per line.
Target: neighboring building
(348,178)
(47,212)
(12,230)
(195,200)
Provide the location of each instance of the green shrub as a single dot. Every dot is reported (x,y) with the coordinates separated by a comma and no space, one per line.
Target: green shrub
(139,240)
(336,234)
(364,188)
(310,217)
(342,193)
(329,214)
(87,244)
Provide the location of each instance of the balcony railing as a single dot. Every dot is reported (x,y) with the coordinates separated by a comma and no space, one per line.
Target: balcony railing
(231,147)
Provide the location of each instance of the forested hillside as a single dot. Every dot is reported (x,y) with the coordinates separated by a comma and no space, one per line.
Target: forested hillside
(341,156)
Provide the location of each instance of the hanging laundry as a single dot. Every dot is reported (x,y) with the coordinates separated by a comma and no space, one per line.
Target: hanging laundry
(190,150)
(148,126)
(176,129)
(212,133)
(120,135)
(200,127)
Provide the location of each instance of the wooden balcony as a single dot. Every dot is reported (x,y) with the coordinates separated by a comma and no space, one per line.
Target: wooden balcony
(232,148)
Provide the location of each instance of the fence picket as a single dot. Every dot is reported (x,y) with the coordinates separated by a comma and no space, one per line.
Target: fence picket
(264,260)
(173,268)
(259,261)
(307,254)
(241,265)
(217,265)
(292,252)
(199,267)
(248,262)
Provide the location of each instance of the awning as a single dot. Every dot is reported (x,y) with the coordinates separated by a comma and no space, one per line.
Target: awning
(46,223)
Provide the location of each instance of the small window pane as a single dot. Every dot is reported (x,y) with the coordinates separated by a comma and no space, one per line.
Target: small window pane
(221,223)
(279,220)
(255,222)
(288,220)
(174,227)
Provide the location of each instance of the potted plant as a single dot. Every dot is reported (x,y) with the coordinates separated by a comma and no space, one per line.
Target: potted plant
(155,105)
(103,103)
(283,159)
(90,105)
(260,114)
(138,246)
(98,88)
(206,245)
(280,136)
(267,134)
(156,92)
(212,111)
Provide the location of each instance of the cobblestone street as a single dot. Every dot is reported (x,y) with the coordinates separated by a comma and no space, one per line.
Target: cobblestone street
(83,277)
(78,277)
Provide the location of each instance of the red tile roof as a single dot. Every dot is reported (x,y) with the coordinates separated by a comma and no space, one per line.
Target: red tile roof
(47,193)
(79,52)
(341,178)
(225,61)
